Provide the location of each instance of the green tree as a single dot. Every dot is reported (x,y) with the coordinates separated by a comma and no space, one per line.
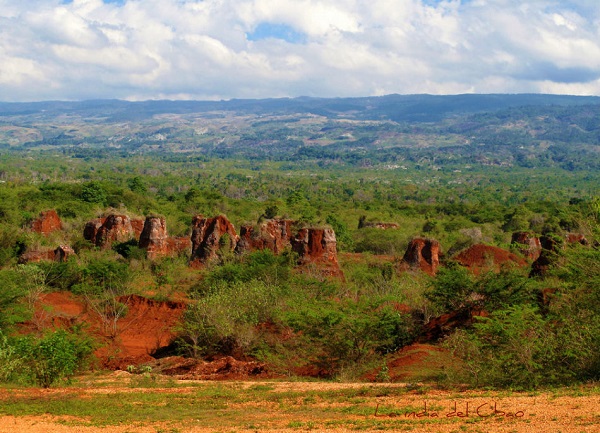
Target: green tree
(137,184)
(94,192)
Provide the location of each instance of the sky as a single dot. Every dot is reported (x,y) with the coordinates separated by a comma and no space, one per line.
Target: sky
(223,49)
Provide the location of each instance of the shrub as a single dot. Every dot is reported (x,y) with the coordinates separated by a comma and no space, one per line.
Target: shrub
(56,356)
(9,360)
(508,349)
(340,334)
(222,320)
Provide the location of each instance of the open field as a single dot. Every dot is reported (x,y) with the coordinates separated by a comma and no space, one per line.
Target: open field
(123,403)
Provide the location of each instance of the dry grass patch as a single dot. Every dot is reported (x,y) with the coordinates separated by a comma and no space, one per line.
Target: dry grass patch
(292,407)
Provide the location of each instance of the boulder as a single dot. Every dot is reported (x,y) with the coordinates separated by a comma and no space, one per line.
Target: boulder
(445,324)
(423,254)
(47,222)
(528,244)
(206,237)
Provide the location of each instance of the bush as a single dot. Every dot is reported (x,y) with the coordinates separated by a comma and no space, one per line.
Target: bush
(222,320)
(261,265)
(377,241)
(455,287)
(10,362)
(129,249)
(337,335)
(56,356)
(12,291)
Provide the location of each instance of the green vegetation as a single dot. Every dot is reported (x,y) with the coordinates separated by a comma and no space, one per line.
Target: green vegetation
(473,177)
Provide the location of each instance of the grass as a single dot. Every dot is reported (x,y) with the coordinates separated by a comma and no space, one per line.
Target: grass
(229,406)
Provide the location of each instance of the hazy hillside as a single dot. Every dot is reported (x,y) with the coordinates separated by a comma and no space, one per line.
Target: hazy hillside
(394,130)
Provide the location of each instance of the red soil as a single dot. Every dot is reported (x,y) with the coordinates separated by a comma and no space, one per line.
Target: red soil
(481,257)
(147,326)
(412,363)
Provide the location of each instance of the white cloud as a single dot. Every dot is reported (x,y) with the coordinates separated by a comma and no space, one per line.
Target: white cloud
(141,49)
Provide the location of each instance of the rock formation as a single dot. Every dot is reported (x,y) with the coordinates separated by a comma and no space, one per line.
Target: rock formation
(206,237)
(103,232)
(47,222)
(37,255)
(179,245)
(275,235)
(90,230)
(576,238)
(445,324)
(156,241)
(528,244)
(551,251)
(138,227)
(551,247)
(319,247)
(60,254)
(154,237)
(63,253)
(423,254)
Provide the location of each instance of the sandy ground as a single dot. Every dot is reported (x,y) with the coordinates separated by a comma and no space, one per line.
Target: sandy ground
(434,411)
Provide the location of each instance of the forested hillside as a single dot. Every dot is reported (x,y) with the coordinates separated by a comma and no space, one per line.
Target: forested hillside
(303,237)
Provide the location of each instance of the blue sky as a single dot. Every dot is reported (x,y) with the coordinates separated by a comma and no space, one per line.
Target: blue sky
(221,49)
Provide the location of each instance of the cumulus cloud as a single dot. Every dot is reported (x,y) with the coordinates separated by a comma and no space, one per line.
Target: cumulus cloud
(144,49)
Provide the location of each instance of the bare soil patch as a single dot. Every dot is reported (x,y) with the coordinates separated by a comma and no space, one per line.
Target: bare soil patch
(287,407)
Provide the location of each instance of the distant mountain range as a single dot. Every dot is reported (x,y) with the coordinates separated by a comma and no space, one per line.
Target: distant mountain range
(397,108)
(388,131)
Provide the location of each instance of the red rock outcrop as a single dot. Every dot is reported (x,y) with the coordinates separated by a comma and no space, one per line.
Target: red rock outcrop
(576,238)
(528,244)
(38,255)
(102,232)
(154,237)
(206,237)
(180,245)
(91,228)
(275,235)
(63,253)
(481,257)
(138,227)
(225,368)
(443,325)
(148,327)
(60,254)
(551,251)
(47,222)
(319,247)
(551,247)
(423,254)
